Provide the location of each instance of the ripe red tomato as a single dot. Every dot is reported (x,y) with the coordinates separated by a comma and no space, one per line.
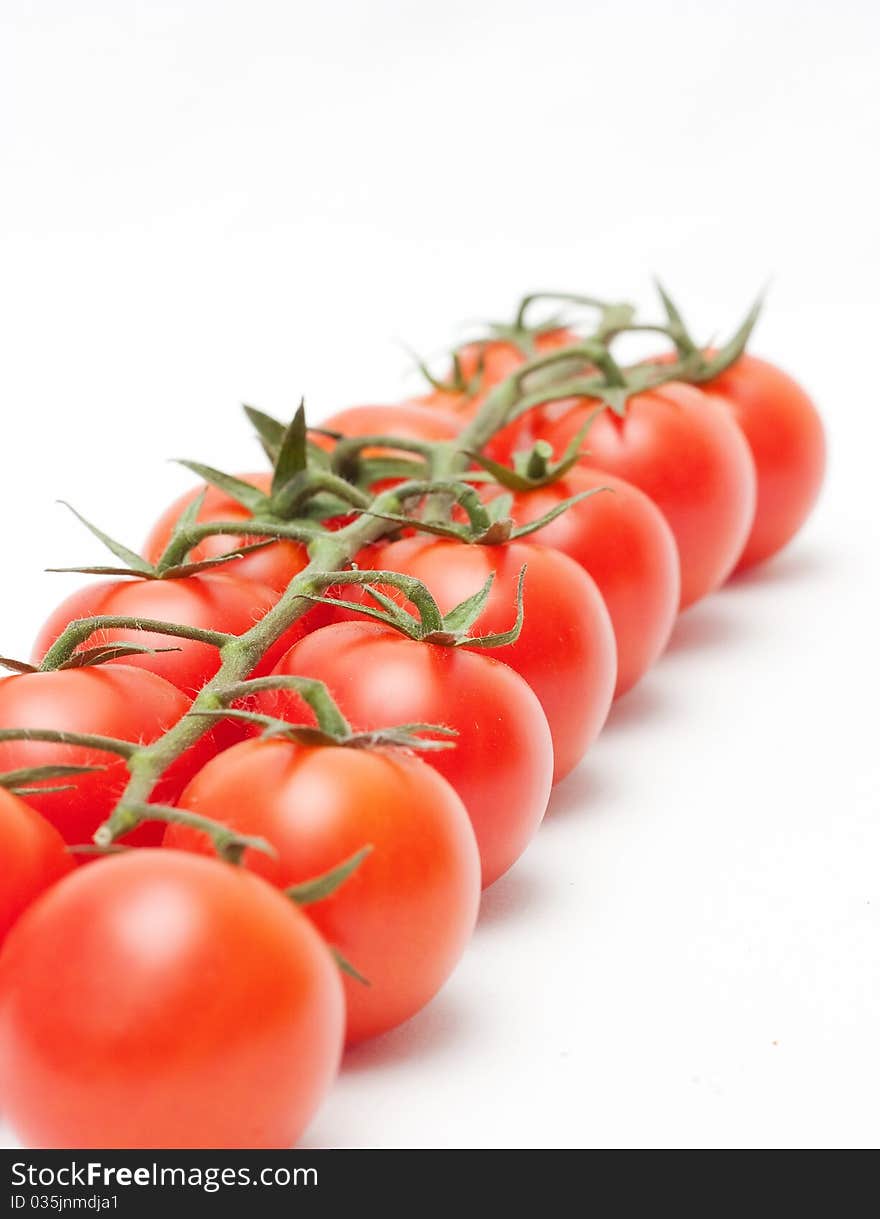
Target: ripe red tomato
(681,447)
(404,917)
(210,601)
(565,650)
(110,700)
(161,1000)
(498,358)
(785,435)
(275,565)
(502,761)
(409,421)
(34,857)
(622,540)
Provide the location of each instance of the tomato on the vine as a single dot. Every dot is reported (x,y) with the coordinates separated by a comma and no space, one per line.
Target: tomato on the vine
(107,700)
(622,540)
(209,601)
(275,565)
(161,1000)
(787,442)
(501,763)
(682,448)
(405,915)
(34,856)
(565,650)
(489,361)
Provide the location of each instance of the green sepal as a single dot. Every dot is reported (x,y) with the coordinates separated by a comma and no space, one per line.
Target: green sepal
(103,653)
(242,492)
(16,780)
(17,666)
(307,892)
(130,558)
(346,966)
(292,456)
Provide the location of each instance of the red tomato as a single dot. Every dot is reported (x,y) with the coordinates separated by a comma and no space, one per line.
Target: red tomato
(622,540)
(502,762)
(160,1000)
(785,435)
(404,917)
(210,601)
(565,650)
(499,358)
(681,447)
(275,565)
(110,700)
(34,857)
(406,420)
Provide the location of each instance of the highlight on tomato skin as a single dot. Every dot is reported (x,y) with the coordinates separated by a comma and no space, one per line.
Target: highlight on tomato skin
(501,760)
(108,700)
(34,857)
(160,1000)
(622,540)
(565,651)
(273,565)
(405,916)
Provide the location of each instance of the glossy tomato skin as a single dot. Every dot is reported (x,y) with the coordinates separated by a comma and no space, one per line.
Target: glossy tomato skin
(210,601)
(275,565)
(566,649)
(787,442)
(34,856)
(681,447)
(622,540)
(157,999)
(110,700)
(502,761)
(404,917)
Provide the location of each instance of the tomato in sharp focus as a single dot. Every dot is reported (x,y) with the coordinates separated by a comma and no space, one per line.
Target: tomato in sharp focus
(566,649)
(682,448)
(622,540)
(34,856)
(161,1000)
(501,764)
(210,601)
(405,915)
(108,700)
(787,441)
(275,565)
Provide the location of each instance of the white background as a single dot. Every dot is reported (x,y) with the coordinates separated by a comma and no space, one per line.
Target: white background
(206,202)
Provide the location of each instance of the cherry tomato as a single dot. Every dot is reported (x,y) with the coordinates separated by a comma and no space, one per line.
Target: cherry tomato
(405,420)
(162,1000)
(565,650)
(622,540)
(109,700)
(275,565)
(404,917)
(785,435)
(495,359)
(210,601)
(681,447)
(502,761)
(34,857)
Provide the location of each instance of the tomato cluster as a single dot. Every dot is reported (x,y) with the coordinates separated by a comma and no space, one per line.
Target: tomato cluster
(251,785)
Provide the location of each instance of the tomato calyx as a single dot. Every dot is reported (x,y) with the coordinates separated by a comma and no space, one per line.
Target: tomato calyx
(331,729)
(427,624)
(535,467)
